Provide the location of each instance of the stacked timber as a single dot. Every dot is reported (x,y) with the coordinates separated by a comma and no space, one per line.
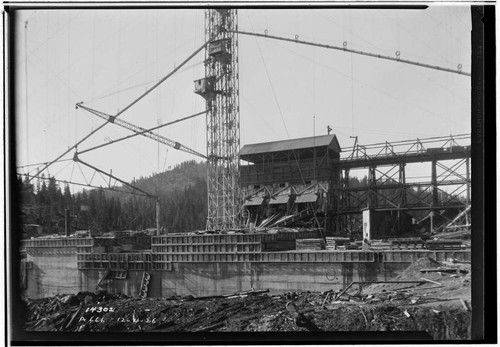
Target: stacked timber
(313,233)
(120,234)
(443,244)
(460,234)
(310,244)
(379,245)
(351,246)
(333,242)
(409,242)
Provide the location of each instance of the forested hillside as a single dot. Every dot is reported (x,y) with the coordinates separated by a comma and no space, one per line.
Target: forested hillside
(183,203)
(182,192)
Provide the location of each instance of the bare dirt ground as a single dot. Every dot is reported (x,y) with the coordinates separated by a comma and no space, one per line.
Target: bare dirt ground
(439,305)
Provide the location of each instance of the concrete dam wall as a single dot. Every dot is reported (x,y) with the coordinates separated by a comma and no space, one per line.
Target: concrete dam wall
(57,271)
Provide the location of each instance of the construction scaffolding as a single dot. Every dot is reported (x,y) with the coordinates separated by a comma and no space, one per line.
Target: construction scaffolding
(220,88)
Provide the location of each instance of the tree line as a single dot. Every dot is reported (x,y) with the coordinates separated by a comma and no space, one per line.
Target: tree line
(182,193)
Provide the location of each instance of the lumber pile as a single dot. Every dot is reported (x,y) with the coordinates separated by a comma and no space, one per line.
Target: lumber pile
(409,242)
(460,234)
(333,242)
(350,246)
(443,244)
(447,269)
(380,245)
(309,244)
(119,234)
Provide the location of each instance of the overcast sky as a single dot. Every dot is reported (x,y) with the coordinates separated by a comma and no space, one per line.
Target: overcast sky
(106,58)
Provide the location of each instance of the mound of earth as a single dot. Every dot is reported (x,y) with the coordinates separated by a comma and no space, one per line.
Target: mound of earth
(413,271)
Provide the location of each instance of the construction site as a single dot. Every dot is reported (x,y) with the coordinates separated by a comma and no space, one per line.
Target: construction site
(289,244)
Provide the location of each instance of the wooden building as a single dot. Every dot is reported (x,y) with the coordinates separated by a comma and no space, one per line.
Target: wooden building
(288,182)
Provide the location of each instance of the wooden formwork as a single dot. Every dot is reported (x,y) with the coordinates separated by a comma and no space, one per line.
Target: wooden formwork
(115,261)
(232,243)
(62,242)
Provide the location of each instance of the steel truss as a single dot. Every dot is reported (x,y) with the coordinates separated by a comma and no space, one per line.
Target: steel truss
(447,187)
(223,121)
(140,131)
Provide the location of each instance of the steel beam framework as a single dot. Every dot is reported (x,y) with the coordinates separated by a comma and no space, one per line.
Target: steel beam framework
(447,187)
(223,122)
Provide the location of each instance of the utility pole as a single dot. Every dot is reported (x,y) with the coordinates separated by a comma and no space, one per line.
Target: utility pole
(158,216)
(314,147)
(26,88)
(355,144)
(67,222)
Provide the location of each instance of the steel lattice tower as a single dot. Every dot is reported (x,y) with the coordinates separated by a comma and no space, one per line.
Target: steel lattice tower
(223,121)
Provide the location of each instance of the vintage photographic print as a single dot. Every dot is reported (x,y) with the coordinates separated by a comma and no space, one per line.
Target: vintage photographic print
(239,169)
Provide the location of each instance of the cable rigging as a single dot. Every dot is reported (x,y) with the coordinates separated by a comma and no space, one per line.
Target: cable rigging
(112,90)
(38,164)
(345,49)
(135,86)
(128,106)
(85,185)
(26,88)
(271,84)
(144,132)
(364,83)
(149,195)
(78,160)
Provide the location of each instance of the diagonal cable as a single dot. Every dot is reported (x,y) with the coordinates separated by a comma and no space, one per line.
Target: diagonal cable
(128,106)
(270,82)
(143,132)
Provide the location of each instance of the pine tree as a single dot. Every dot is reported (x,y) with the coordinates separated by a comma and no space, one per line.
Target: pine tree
(68,199)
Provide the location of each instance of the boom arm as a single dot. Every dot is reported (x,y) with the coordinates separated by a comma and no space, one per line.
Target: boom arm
(141,131)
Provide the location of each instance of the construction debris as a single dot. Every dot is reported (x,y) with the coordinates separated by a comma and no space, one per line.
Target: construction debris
(407,303)
(446,269)
(460,234)
(333,242)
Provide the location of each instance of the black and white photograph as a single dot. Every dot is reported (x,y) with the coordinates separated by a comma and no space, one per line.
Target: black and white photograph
(220,169)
